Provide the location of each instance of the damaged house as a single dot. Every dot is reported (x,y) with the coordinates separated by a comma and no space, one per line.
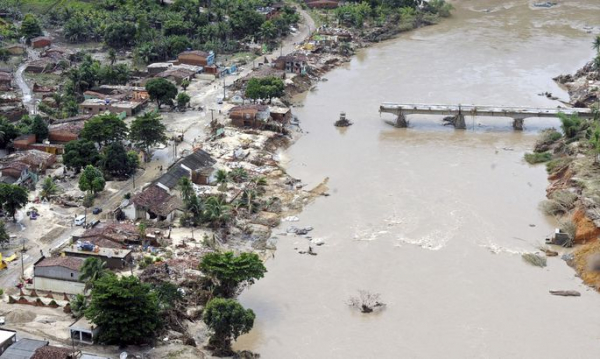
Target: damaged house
(153,203)
(198,167)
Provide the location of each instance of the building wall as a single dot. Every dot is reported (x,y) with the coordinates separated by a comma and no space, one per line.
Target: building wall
(57,286)
(41,43)
(56,272)
(62,136)
(191,59)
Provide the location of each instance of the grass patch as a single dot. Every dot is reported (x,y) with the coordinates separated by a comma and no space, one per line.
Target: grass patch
(534,259)
(570,228)
(558,164)
(533,158)
(44,79)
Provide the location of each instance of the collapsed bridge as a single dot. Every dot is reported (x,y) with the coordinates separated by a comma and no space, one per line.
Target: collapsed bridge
(455,114)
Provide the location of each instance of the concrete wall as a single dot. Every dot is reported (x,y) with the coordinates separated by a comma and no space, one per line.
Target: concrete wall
(57,286)
(57,273)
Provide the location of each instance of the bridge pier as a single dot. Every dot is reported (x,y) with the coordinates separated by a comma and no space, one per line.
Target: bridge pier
(459,122)
(401,121)
(518,124)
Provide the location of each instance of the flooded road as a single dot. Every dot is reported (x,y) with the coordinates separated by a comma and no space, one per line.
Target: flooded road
(432,218)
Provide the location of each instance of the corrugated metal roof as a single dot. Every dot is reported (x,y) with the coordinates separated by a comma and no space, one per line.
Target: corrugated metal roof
(23,349)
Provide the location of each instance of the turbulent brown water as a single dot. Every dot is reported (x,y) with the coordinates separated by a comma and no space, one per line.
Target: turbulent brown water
(432,218)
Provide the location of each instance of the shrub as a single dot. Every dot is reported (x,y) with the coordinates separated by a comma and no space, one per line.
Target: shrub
(565,198)
(88,200)
(557,164)
(551,207)
(534,259)
(570,229)
(533,158)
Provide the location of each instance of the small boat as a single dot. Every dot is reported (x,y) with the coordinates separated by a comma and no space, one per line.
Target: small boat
(343,121)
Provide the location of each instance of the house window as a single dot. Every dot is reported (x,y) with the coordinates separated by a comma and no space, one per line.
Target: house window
(71,275)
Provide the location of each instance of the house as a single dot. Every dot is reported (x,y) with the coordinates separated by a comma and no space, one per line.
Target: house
(59,53)
(198,58)
(134,93)
(177,75)
(38,161)
(159,67)
(254,116)
(58,274)
(16,49)
(65,132)
(7,338)
(282,115)
(16,173)
(22,142)
(41,41)
(111,235)
(198,167)
(46,146)
(115,258)
(322,4)
(45,64)
(295,64)
(5,81)
(83,331)
(95,106)
(23,349)
(153,202)
(13,112)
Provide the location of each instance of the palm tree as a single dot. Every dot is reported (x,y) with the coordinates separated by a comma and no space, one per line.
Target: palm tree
(112,56)
(222,177)
(78,305)
(92,270)
(186,188)
(596,44)
(216,211)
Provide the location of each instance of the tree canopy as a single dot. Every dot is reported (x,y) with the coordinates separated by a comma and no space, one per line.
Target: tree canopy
(227,319)
(91,180)
(13,198)
(30,27)
(39,128)
(126,309)
(160,90)
(80,153)
(228,271)
(104,129)
(117,162)
(265,88)
(148,131)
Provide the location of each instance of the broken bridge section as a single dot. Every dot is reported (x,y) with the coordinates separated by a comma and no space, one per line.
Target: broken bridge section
(455,114)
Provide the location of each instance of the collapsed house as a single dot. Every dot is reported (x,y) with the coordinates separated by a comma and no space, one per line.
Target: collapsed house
(24,168)
(153,203)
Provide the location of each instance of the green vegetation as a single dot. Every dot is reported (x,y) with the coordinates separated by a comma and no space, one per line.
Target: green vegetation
(80,153)
(536,157)
(4,236)
(49,188)
(115,161)
(104,130)
(126,310)
(227,271)
(227,320)
(560,202)
(91,180)
(78,305)
(13,198)
(265,88)
(30,27)
(161,91)
(92,270)
(148,131)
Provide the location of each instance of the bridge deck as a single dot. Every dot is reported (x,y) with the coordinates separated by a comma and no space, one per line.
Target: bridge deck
(520,112)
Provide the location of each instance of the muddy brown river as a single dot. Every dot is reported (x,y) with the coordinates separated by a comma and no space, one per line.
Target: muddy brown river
(434,219)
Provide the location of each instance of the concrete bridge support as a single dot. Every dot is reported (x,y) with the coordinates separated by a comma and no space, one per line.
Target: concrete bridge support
(459,122)
(518,124)
(401,121)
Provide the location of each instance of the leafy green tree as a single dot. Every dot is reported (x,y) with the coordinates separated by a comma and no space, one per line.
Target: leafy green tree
(182,100)
(13,198)
(112,56)
(268,31)
(30,27)
(91,180)
(116,162)
(49,188)
(184,84)
(222,178)
(227,271)
(78,305)
(570,124)
(227,320)
(186,188)
(104,129)
(79,153)
(8,132)
(120,34)
(148,131)
(265,88)
(126,310)
(39,128)
(4,236)
(92,269)
(161,90)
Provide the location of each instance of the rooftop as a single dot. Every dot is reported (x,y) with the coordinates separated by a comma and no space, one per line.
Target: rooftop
(6,335)
(83,324)
(171,178)
(23,349)
(156,200)
(195,52)
(99,252)
(66,262)
(52,352)
(197,160)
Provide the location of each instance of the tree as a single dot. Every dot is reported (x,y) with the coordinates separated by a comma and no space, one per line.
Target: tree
(80,153)
(91,180)
(8,132)
(104,129)
(112,56)
(216,211)
(148,131)
(126,310)
(161,90)
(30,27)
(228,271)
(182,100)
(227,319)
(265,88)
(13,198)
(115,161)
(186,188)
(78,305)
(92,269)
(39,128)
(596,44)
(4,236)
(120,34)
(238,175)
(222,177)
(49,188)
(184,84)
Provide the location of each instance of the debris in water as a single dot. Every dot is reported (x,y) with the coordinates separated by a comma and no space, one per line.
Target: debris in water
(366,301)
(566,293)
(343,121)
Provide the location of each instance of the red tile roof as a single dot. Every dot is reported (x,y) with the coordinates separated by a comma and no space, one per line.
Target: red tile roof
(66,262)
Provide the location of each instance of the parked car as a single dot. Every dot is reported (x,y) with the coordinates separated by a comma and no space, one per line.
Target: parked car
(97,210)
(80,220)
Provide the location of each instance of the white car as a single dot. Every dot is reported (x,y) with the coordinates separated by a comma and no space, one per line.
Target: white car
(80,220)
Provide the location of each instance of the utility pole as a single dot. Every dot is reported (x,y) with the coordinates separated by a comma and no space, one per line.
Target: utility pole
(133,179)
(212,116)
(223,87)
(22,254)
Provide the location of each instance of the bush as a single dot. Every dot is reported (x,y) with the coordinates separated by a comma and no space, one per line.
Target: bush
(570,229)
(534,259)
(557,164)
(533,158)
(565,198)
(551,207)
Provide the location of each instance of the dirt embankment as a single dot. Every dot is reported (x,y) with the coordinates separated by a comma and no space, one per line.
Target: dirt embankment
(575,168)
